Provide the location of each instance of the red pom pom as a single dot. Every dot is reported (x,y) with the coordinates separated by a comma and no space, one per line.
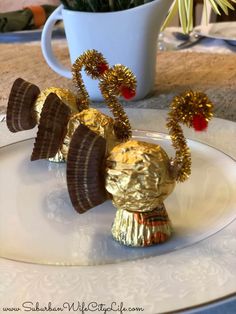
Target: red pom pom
(102,67)
(199,122)
(127,92)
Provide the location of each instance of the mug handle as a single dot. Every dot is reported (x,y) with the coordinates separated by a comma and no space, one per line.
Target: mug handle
(46,44)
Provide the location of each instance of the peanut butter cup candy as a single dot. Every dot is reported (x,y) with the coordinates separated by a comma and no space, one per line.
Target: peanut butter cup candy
(52,128)
(21,101)
(85,169)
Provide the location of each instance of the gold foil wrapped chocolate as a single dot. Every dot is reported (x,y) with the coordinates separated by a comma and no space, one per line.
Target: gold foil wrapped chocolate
(101,124)
(139,179)
(138,176)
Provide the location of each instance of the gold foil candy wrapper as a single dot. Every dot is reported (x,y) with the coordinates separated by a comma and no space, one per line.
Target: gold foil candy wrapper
(138,176)
(65,95)
(96,121)
(142,229)
(101,124)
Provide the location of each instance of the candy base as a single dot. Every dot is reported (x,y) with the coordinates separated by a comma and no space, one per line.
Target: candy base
(142,229)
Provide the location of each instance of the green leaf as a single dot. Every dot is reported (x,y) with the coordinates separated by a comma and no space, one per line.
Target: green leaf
(111,5)
(92,6)
(214,7)
(182,15)
(227,3)
(172,12)
(190,15)
(223,7)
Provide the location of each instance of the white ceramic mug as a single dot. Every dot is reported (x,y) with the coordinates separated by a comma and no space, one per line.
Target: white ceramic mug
(127,37)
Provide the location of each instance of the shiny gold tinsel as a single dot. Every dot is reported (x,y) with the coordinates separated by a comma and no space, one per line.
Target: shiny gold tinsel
(112,82)
(111,85)
(183,109)
(91,60)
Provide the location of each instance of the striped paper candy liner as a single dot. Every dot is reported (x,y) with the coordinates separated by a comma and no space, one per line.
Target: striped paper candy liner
(85,169)
(52,128)
(21,101)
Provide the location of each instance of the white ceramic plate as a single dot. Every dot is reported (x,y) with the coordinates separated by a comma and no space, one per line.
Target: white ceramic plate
(34,199)
(173,280)
(224,30)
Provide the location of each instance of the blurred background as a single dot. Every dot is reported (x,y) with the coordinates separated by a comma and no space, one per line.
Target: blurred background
(6,5)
